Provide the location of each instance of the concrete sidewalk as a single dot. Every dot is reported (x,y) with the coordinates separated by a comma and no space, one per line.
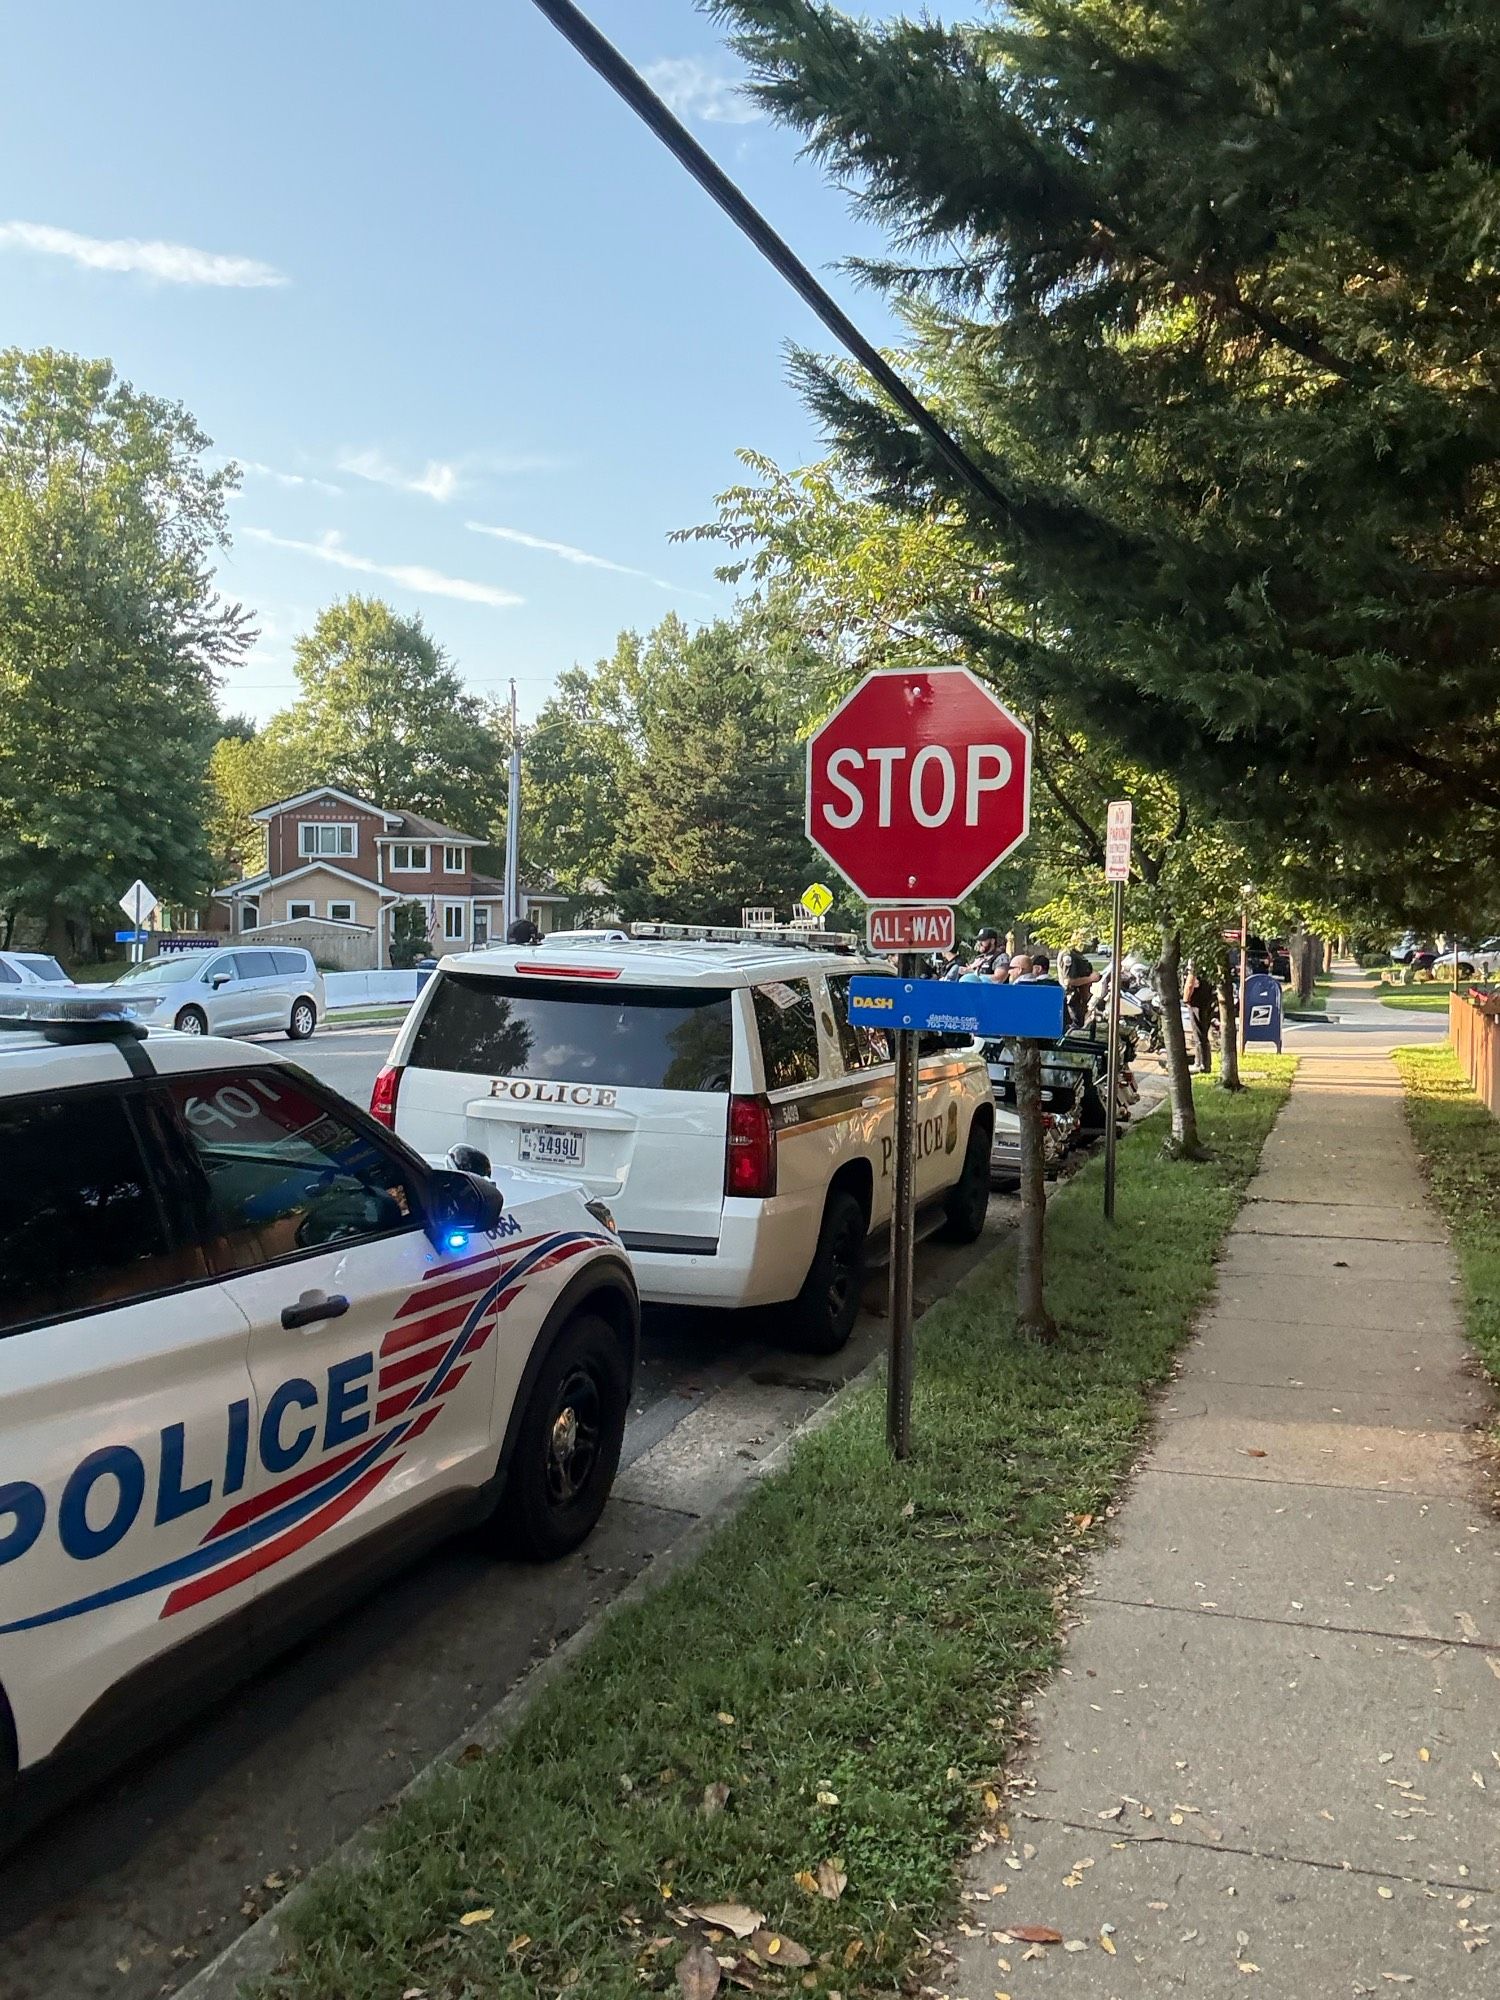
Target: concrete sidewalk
(1272,1762)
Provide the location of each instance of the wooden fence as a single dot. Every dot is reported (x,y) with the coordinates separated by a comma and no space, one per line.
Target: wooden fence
(1476,1043)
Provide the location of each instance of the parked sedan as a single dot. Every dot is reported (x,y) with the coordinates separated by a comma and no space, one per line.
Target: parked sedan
(248,991)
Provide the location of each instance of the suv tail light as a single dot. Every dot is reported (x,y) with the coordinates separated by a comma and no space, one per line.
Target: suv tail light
(750,1157)
(383,1097)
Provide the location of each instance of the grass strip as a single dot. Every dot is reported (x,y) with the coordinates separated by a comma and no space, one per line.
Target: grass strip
(848,1657)
(1459,1142)
(1415,999)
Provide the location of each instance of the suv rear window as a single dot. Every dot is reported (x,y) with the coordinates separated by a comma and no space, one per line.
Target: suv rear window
(633,1037)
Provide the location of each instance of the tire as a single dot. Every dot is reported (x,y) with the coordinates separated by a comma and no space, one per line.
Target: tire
(304,1020)
(969,1197)
(553,1497)
(821,1317)
(191,1021)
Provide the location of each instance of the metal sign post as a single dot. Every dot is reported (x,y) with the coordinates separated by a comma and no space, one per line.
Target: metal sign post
(906,1008)
(903,1234)
(1117,872)
(139,904)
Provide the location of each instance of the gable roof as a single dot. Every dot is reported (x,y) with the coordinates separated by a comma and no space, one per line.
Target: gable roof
(323,792)
(405,826)
(326,867)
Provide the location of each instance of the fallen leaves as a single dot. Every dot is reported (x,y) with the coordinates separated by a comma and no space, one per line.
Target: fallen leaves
(1033,1934)
(715,1798)
(698,1974)
(776,1948)
(1253,1452)
(736,1918)
(832,1881)
(476,1917)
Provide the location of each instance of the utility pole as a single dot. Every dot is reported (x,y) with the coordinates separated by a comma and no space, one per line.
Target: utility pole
(513,822)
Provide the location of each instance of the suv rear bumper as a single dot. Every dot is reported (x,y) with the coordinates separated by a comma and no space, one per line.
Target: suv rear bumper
(763,1254)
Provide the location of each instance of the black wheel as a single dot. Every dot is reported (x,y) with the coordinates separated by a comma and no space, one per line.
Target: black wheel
(568,1445)
(969,1198)
(821,1317)
(191,1022)
(304,1020)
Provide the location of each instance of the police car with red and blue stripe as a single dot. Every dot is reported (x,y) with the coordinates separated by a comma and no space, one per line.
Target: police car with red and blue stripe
(253,1348)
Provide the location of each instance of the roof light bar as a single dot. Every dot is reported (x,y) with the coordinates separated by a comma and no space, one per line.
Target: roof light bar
(803,934)
(89,1017)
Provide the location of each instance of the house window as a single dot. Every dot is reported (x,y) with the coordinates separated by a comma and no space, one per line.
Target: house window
(453,921)
(453,861)
(296,910)
(337,837)
(341,913)
(407,860)
(250,913)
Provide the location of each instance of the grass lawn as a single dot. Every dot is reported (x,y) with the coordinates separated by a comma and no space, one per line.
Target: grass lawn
(1415,999)
(92,975)
(1460,1146)
(847,1657)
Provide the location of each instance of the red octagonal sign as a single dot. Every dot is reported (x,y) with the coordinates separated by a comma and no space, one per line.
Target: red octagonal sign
(918,785)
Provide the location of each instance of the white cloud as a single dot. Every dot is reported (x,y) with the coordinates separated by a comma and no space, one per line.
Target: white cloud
(566,552)
(259,471)
(437,480)
(173,263)
(414,576)
(693,89)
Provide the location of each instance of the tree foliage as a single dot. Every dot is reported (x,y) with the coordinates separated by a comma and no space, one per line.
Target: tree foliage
(1209,291)
(111,639)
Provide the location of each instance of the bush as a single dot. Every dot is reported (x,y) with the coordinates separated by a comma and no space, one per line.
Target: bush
(1374,961)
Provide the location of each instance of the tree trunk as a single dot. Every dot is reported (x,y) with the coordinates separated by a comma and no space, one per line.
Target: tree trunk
(1183,1143)
(1304,955)
(1229,1034)
(1032,1316)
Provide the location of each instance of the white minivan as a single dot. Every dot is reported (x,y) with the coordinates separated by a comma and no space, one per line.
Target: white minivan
(250,990)
(713,1091)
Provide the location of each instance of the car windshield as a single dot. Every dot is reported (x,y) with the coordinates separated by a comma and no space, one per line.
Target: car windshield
(643,1038)
(160,971)
(41,965)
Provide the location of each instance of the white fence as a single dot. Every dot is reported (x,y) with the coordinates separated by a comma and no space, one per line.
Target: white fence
(369,989)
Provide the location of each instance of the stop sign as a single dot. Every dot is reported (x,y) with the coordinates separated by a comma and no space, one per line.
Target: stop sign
(918,785)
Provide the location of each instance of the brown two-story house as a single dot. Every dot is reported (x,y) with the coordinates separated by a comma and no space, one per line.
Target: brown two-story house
(337,867)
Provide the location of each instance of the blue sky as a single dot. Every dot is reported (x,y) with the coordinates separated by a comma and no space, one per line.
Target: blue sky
(424,272)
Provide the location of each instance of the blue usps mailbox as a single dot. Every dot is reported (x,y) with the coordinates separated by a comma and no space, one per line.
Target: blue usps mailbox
(1263,1009)
(957,1007)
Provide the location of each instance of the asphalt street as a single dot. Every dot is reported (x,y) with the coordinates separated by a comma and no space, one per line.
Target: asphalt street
(129,1890)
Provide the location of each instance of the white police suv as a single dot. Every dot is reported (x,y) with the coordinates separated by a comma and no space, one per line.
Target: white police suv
(710,1086)
(253,1348)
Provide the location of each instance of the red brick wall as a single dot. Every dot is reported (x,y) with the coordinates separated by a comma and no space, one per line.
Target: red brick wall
(281,845)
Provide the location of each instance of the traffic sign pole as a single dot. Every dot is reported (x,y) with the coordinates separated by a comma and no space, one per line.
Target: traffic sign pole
(903,1234)
(1112,1105)
(1117,871)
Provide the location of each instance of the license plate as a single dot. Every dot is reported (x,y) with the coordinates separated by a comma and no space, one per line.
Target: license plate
(551,1146)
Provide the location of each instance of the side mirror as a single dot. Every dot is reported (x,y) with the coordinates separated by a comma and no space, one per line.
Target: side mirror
(221,979)
(460,1206)
(469,1160)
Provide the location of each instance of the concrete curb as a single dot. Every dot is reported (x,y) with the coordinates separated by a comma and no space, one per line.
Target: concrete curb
(257,1949)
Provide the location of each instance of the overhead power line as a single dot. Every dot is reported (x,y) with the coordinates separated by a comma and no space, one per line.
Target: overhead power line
(603,56)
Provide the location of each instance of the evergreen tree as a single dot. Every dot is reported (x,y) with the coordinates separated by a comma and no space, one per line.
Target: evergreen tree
(1209,291)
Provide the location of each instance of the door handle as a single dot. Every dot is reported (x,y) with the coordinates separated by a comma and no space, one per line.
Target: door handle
(313,1306)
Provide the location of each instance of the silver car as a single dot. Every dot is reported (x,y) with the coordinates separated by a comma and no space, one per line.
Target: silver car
(33,968)
(250,990)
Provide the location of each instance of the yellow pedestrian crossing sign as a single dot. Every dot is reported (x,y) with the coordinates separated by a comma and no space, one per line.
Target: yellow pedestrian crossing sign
(817,899)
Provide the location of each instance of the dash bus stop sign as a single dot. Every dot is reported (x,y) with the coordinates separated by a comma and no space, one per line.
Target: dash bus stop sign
(918,785)
(958,1007)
